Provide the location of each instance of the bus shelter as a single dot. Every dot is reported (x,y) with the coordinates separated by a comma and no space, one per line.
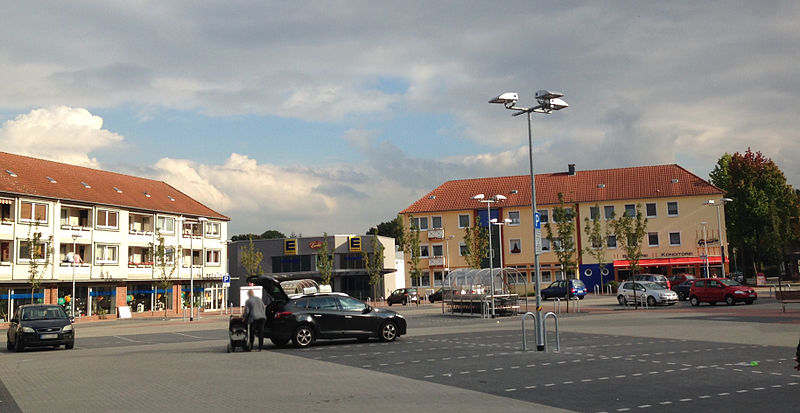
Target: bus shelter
(468,291)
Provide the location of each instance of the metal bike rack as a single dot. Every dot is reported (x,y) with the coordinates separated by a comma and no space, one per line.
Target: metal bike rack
(544,331)
(597,290)
(557,305)
(609,290)
(524,335)
(578,305)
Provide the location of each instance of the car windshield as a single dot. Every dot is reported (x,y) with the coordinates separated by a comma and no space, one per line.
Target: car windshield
(730,283)
(43,313)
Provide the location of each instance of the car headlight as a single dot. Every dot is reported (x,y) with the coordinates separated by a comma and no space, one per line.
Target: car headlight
(67,328)
(738,292)
(27,330)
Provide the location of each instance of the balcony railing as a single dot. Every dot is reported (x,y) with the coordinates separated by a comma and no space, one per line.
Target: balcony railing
(436,233)
(436,262)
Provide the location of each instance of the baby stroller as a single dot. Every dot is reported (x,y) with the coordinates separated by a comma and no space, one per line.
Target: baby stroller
(238,334)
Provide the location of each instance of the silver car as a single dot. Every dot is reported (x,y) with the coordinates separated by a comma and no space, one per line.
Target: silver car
(646,291)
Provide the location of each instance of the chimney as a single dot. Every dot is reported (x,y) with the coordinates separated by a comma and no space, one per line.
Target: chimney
(572,169)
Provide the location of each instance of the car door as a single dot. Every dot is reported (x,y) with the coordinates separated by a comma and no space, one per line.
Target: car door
(357,321)
(327,315)
(714,291)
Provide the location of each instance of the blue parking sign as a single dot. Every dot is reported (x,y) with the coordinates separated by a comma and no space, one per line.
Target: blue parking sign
(537,220)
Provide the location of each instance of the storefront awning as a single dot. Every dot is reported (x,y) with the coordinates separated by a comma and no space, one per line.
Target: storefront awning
(660,262)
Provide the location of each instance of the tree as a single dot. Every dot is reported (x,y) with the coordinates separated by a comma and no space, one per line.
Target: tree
(272,234)
(758,220)
(374,263)
(39,255)
(630,232)
(563,238)
(597,235)
(476,239)
(411,249)
(251,259)
(244,237)
(325,261)
(165,263)
(392,229)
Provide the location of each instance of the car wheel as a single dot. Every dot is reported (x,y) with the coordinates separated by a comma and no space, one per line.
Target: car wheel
(681,296)
(279,342)
(69,345)
(303,336)
(621,299)
(651,301)
(388,331)
(389,302)
(695,301)
(228,348)
(748,302)
(729,300)
(18,345)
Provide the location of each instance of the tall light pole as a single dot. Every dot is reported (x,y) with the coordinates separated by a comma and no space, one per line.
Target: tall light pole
(547,103)
(718,204)
(72,300)
(447,254)
(488,202)
(705,243)
(502,246)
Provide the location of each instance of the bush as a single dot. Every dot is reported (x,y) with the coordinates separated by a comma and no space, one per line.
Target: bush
(614,286)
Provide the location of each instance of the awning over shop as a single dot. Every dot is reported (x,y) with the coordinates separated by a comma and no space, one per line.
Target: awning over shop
(660,262)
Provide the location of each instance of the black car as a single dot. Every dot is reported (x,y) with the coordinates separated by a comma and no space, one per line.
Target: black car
(307,317)
(40,325)
(403,296)
(683,289)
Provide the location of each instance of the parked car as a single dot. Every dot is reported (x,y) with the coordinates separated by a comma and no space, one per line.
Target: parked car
(656,278)
(39,325)
(560,288)
(679,279)
(645,291)
(307,317)
(683,289)
(403,296)
(714,290)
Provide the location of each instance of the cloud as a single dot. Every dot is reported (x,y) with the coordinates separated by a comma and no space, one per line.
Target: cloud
(62,133)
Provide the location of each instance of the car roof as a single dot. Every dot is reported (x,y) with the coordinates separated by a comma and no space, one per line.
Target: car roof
(331,294)
(39,305)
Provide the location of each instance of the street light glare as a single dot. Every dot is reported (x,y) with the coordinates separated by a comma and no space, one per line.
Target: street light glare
(479,196)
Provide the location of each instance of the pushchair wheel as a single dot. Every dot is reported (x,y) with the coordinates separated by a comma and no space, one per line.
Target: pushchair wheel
(229,348)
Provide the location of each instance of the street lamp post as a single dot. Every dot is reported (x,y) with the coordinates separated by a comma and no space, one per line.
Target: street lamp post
(718,204)
(502,246)
(547,103)
(72,299)
(705,243)
(488,202)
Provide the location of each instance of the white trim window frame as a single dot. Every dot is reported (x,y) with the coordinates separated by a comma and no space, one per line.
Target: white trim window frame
(440,248)
(514,217)
(669,211)
(419,222)
(34,216)
(104,220)
(212,229)
(161,222)
(655,209)
(515,246)
(461,223)
(650,239)
(24,247)
(609,244)
(671,240)
(424,251)
(213,258)
(106,254)
(433,222)
(462,249)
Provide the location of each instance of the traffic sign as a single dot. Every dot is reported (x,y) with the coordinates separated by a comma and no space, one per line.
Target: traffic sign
(226,280)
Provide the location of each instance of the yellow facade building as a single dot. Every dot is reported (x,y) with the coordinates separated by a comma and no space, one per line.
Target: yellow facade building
(674,200)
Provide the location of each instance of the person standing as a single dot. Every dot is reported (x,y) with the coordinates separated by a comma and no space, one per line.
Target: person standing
(255,317)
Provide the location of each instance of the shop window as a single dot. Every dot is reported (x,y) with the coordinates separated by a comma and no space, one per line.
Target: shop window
(514,217)
(103,299)
(652,211)
(107,254)
(672,208)
(436,222)
(352,261)
(463,220)
(674,239)
(33,212)
(515,246)
(652,239)
(140,297)
(107,219)
(608,211)
(165,225)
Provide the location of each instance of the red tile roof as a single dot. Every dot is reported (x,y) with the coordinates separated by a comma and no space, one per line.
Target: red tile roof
(32,180)
(642,182)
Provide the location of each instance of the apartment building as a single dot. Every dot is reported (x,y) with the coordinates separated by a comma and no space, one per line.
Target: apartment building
(680,223)
(99,229)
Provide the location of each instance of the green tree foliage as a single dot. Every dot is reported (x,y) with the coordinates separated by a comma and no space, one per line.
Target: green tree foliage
(325,261)
(563,238)
(596,234)
(758,221)
(165,264)
(392,229)
(411,248)
(630,232)
(39,254)
(373,263)
(476,239)
(251,259)
(268,234)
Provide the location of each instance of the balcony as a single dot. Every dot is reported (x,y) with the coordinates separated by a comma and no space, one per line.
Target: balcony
(436,233)
(65,270)
(436,262)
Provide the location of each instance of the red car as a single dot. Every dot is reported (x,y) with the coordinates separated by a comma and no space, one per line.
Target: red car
(714,290)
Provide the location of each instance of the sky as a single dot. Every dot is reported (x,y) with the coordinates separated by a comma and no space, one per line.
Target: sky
(332,116)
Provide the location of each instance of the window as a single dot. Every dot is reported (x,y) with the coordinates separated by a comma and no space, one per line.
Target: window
(33,212)
(544,216)
(420,222)
(515,246)
(425,279)
(596,244)
(546,276)
(611,242)
(594,212)
(672,208)
(212,229)
(107,254)
(5,210)
(608,211)
(462,249)
(192,229)
(438,250)
(569,213)
(545,245)
(5,252)
(165,225)
(630,210)
(438,276)
(39,252)
(463,220)
(436,222)
(652,239)
(674,238)
(212,258)
(351,304)
(423,251)
(514,217)
(327,302)
(107,219)
(651,210)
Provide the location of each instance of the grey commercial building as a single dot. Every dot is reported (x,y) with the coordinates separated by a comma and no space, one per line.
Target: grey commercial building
(296,258)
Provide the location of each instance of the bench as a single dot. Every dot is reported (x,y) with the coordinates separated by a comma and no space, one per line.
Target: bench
(786,296)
